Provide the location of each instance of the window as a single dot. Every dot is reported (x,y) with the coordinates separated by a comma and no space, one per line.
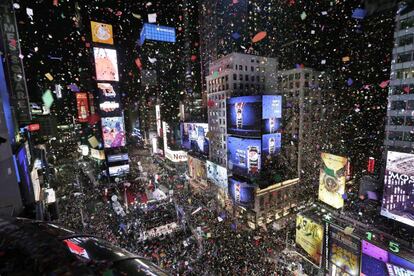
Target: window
(397,121)
(395,135)
(406,23)
(227,77)
(252,78)
(306,76)
(241,77)
(404,57)
(406,40)
(241,85)
(291,77)
(245,68)
(241,67)
(410,105)
(297,76)
(398,105)
(252,68)
(257,78)
(234,86)
(234,77)
(246,77)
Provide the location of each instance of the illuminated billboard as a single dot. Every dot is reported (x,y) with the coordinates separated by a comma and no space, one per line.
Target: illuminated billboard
(344,253)
(118,170)
(244,116)
(398,197)
(106,64)
(102,33)
(82,106)
(241,193)
(217,174)
(158,119)
(309,239)
(196,168)
(157,33)
(97,154)
(194,137)
(113,132)
(118,157)
(271,144)
(109,99)
(271,114)
(332,180)
(170,143)
(377,261)
(244,156)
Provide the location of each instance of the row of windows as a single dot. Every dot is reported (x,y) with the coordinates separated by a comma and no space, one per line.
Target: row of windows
(403,74)
(401,136)
(407,23)
(296,76)
(405,40)
(295,85)
(402,89)
(402,105)
(252,78)
(404,57)
(402,121)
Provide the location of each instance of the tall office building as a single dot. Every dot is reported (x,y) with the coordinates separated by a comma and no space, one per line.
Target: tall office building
(400,116)
(234,75)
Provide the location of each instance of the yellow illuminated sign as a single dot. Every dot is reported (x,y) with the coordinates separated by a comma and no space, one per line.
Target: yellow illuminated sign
(309,236)
(102,33)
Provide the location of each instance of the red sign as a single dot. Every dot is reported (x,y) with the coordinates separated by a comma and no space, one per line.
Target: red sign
(33,127)
(91,104)
(83,107)
(371,164)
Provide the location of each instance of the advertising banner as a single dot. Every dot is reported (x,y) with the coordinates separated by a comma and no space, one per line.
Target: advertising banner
(82,106)
(271,114)
(113,132)
(271,144)
(158,118)
(398,197)
(157,33)
(102,33)
(106,64)
(118,170)
(344,253)
(377,261)
(109,99)
(332,179)
(309,239)
(118,157)
(97,154)
(244,116)
(194,137)
(217,174)
(197,168)
(241,193)
(244,156)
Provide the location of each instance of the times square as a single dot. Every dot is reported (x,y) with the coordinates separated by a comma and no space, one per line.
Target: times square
(200,137)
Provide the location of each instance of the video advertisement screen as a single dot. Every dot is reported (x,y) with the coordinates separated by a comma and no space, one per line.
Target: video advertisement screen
(309,239)
(194,137)
(217,174)
(241,193)
(106,64)
(271,114)
(113,132)
(244,156)
(271,144)
(109,99)
(244,116)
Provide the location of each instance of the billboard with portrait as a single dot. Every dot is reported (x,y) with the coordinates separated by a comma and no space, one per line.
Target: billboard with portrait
(197,168)
(82,106)
(398,197)
(217,174)
(332,179)
(113,132)
(241,193)
(102,33)
(309,239)
(106,64)
(244,156)
(344,253)
(244,116)
(378,261)
(118,170)
(271,144)
(194,137)
(271,113)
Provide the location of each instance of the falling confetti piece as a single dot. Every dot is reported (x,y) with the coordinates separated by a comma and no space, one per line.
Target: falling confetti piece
(407,89)
(152,18)
(47,98)
(55,2)
(259,36)
(303,15)
(384,84)
(345,59)
(16,6)
(137,16)
(235,36)
(29,13)
(49,76)
(359,13)
(349,82)
(138,63)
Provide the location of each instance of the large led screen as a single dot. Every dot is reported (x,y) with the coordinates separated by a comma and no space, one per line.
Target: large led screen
(344,253)
(332,180)
(106,64)
(109,99)
(194,137)
(157,32)
(271,144)
(398,198)
(113,132)
(244,156)
(377,261)
(217,174)
(271,114)
(244,116)
(241,193)
(196,168)
(309,239)
(82,106)
(118,170)
(102,33)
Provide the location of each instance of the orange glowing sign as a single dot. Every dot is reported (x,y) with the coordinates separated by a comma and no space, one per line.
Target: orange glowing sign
(102,33)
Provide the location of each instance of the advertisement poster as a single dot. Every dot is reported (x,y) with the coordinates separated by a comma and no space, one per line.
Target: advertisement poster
(217,174)
(97,154)
(113,132)
(332,180)
(196,168)
(194,137)
(271,114)
(309,239)
(244,116)
(82,106)
(398,197)
(241,193)
(377,261)
(102,33)
(170,138)
(106,64)
(344,253)
(118,157)
(118,170)
(271,144)
(244,156)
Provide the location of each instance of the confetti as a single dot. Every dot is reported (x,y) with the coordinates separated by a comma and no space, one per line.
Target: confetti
(303,15)
(259,36)
(49,76)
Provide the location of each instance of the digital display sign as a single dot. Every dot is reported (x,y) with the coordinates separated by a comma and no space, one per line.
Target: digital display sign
(309,239)
(118,170)
(217,174)
(82,106)
(244,156)
(332,180)
(118,157)
(170,138)
(244,116)
(157,33)
(106,64)
(271,144)
(109,99)
(344,253)
(196,168)
(398,197)
(272,107)
(102,33)
(194,137)
(113,132)
(377,261)
(241,192)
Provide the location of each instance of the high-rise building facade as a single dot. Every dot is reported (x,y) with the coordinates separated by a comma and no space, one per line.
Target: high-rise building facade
(234,75)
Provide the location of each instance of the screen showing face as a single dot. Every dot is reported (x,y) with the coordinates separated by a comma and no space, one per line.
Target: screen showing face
(113,132)
(194,137)
(241,192)
(106,64)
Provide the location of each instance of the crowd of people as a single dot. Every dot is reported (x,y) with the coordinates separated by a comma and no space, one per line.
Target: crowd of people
(208,240)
